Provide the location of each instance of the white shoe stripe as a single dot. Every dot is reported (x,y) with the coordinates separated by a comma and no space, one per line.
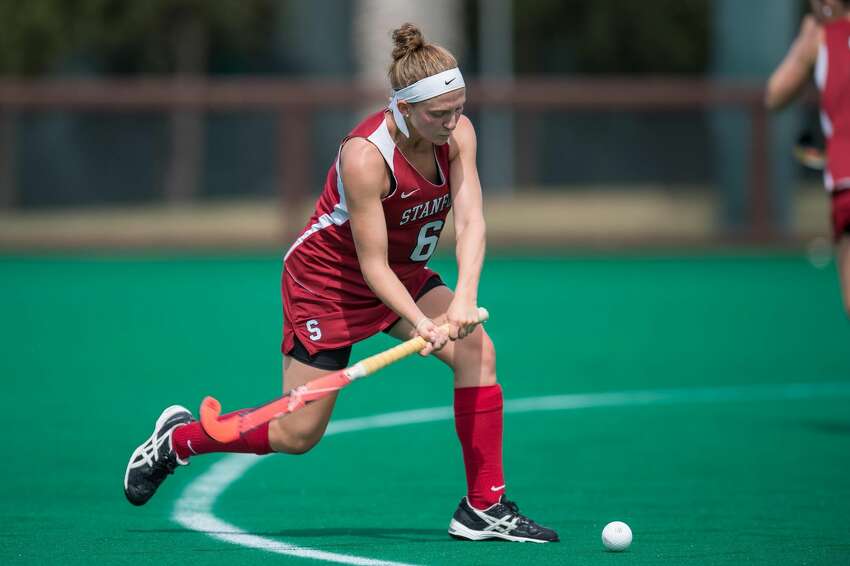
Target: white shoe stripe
(458,529)
(141,452)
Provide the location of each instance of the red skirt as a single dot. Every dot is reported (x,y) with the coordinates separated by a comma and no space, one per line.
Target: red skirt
(323,324)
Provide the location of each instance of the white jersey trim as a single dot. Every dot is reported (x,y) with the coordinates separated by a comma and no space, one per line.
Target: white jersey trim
(826,124)
(821,66)
(384,142)
(821,70)
(382,139)
(842,184)
(338,217)
(340,208)
(324,221)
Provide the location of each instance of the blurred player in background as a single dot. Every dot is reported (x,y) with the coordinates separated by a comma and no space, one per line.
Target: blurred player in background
(359,268)
(823,46)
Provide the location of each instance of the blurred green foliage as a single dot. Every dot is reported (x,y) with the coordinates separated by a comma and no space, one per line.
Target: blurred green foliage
(123,36)
(612,36)
(146,36)
(33,34)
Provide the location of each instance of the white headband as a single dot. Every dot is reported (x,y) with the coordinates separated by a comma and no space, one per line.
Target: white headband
(429,87)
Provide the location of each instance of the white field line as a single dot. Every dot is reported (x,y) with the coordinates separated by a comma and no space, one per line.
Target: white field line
(193,509)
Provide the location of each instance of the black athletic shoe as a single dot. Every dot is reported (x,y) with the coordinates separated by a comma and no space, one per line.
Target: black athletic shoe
(501,520)
(154,459)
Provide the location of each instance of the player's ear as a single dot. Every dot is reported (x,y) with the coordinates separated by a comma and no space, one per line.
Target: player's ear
(405,108)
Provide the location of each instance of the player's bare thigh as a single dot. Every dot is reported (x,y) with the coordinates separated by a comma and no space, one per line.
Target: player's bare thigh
(843,252)
(298,432)
(473,358)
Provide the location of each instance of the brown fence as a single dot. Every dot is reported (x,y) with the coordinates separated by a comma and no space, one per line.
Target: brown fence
(296,101)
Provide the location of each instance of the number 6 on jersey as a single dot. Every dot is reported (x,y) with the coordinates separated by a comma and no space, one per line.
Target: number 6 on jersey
(426,243)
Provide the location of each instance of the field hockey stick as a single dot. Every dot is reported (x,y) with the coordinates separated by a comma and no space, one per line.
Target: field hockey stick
(230,428)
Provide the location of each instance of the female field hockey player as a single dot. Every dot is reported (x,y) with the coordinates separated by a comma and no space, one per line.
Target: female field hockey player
(823,45)
(359,268)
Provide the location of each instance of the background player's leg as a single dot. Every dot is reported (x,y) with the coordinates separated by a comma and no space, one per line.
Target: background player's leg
(298,432)
(477,401)
(843,253)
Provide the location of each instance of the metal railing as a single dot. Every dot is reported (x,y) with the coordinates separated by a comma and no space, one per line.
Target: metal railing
(296,102)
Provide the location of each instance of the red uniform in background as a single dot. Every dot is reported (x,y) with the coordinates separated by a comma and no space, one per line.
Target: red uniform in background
(326,301)
(832,75)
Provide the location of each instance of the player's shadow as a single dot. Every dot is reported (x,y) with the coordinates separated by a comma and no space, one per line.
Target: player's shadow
(828,426)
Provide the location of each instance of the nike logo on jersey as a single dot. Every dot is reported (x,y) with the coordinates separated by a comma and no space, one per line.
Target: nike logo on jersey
(189,444)
(494,488)
(449,81)
(405,195)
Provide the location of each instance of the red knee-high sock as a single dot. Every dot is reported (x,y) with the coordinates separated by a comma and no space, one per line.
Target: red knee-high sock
(478,421)
(190,440)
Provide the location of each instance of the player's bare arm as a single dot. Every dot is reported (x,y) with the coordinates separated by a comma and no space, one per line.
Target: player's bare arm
(366,182)
(789,78)
(469,226)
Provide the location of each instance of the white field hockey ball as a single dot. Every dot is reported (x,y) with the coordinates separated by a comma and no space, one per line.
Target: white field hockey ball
(616,536)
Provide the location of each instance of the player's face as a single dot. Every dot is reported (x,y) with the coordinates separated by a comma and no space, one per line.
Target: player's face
(435,119)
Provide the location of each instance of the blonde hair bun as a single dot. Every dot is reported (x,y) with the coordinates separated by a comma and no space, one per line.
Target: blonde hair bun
(406,39)
(414,59)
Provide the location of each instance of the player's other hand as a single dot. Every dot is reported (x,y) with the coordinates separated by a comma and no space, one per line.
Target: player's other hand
(463,318)
(435,336)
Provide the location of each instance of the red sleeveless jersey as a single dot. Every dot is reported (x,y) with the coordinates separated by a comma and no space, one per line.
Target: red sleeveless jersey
(327,302)
(832,75)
